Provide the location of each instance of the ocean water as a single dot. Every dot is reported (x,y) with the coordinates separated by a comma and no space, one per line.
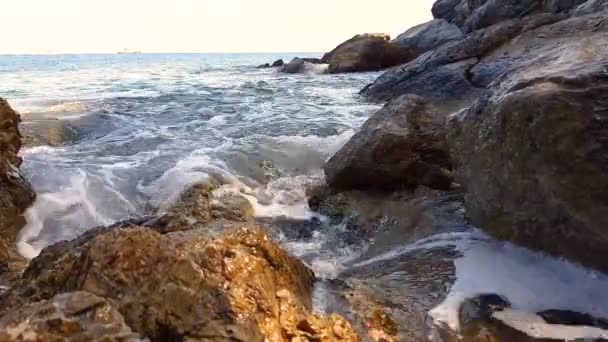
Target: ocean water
(151,124)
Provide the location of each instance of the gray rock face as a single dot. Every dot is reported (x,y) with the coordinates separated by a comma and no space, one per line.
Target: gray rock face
(445,74)
(401,144)
(428,36)
(471,15)
(590,7)
(533,154)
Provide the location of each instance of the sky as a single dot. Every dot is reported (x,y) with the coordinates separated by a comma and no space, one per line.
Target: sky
(92,26)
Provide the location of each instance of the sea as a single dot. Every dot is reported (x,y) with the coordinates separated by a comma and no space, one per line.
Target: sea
(149,125)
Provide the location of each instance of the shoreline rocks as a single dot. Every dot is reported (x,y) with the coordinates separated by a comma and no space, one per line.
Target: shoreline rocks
(548,122)
(16,193)
(226,280)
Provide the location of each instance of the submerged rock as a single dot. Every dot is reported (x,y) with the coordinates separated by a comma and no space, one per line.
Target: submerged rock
(427,36)
(303,65)
(233,285)
(403,144)
(16,193)
(367,52)
(47,132)
(74,316)
(533,154)
(197,206)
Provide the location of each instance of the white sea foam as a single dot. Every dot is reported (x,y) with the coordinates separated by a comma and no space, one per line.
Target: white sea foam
(531,281)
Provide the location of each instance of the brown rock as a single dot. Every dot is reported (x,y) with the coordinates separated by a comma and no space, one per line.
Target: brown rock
(51,132)
(367,52)
(75,316)
(403,144)
(199,284)
(196,207)
(16,193)
(533,155)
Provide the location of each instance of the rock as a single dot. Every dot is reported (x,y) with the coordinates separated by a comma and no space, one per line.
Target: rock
(403,144)
(277,63)
(590,7)
(16,193)
(548,193)
(443,75)
(231,284)
(472,15)
(566,317)
(263,66)
(302,65)
(428,36)
(74,316)
(196,207)
(367,52)
(47,132)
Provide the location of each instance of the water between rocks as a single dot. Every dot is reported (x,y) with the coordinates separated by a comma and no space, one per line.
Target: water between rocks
(149,125)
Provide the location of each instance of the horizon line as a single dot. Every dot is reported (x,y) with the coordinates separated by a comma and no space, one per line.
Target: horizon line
(156,53)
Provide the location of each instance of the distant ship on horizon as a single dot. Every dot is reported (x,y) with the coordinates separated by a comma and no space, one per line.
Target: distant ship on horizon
(127,52)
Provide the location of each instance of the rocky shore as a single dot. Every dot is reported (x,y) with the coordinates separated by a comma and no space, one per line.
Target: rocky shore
(495,118)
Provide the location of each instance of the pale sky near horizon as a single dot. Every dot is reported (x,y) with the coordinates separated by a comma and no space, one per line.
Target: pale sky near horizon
(89,26)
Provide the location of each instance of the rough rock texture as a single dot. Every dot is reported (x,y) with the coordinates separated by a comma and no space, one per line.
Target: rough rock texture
(367,52)
(16,193)
(74,316)
(196,207)
(427,36)
(473,15)
(201,285)
(590,7)
(533,154)
(403,144)
(444,76)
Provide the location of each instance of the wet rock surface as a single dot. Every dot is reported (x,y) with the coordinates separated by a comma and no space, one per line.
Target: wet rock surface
(16,193)
(367,52)
(47,132)
(226,280)
(403,144)
(74,316)
(550,195)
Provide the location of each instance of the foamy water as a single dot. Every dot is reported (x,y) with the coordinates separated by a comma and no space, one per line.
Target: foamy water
(150,125)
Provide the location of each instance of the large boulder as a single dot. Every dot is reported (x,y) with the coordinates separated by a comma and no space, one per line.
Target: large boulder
(427,36)
(403,144)
(16,193)
(231,284)
(367,52)
(74,316)
(533,154)
(444,75)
